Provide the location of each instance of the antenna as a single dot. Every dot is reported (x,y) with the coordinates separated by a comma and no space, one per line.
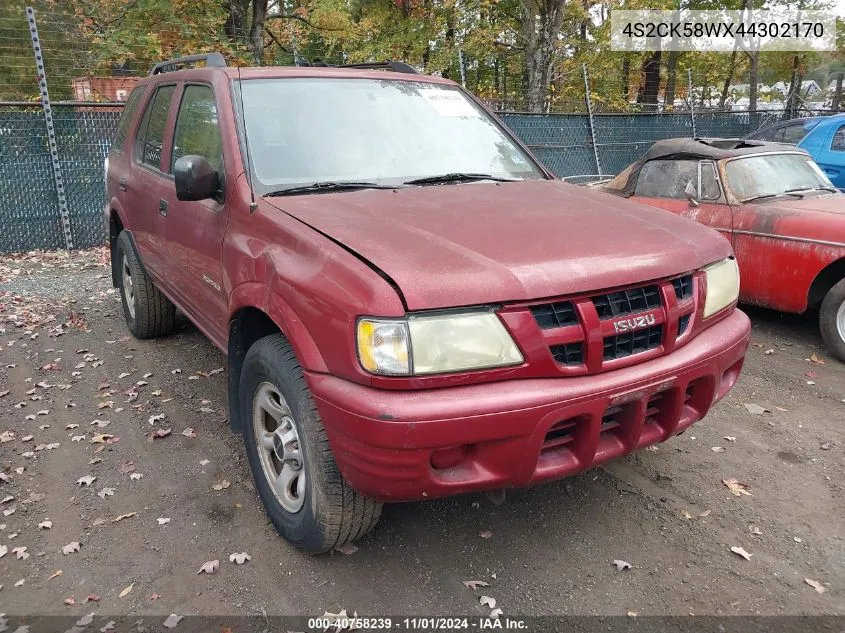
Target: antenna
(252,205)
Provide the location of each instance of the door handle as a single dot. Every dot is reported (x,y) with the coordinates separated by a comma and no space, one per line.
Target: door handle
(162,208)
(121,184)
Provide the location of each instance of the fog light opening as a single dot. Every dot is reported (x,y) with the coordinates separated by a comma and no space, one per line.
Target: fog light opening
(444,458)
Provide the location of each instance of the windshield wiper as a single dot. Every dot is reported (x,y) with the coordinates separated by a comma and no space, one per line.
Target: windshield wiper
(326,187)
(793,190)
(772,195)
(456,177)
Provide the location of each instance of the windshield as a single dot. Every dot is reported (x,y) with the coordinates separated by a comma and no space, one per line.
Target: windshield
(303,131)
(771,175)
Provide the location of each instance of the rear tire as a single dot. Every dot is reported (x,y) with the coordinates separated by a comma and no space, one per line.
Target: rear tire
(832,320)
(304,494)
(147,311)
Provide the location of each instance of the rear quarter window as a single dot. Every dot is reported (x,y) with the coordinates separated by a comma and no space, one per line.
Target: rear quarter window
(125,119)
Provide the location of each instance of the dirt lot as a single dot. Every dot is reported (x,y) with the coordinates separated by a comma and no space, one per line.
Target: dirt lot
(66,360)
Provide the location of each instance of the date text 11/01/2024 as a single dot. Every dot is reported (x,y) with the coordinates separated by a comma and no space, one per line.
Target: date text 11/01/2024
(416,624)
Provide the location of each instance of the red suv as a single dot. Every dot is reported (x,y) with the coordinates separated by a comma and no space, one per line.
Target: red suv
(411,305)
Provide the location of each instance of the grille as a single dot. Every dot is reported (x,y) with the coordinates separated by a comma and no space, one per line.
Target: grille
(552,315)
(616,304)
(568,354)
(683,324)
(683,287)
(630,343)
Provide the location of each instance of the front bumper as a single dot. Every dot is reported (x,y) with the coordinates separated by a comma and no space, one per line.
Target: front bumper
(522,432)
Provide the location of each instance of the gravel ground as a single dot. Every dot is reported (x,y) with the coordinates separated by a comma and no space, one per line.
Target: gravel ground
(157,509)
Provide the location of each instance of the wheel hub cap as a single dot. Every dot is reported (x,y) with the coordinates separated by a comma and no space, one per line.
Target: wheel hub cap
(279,448)
(128,288)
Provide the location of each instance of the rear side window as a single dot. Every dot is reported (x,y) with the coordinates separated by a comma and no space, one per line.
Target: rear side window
(126,119)
(838,142)
(197,127)
(792,134)
(150,139)
(666,178)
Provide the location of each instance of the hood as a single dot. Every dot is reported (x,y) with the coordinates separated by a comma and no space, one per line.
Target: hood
(481,243)
(828,203)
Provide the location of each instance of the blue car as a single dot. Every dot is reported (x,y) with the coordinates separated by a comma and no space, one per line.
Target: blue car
(823,137)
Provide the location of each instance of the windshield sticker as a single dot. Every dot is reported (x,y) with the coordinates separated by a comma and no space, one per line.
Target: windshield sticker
(448,102)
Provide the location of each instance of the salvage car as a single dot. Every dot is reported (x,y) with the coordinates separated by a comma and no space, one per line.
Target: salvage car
(410,304)
(782,215)
(822,137)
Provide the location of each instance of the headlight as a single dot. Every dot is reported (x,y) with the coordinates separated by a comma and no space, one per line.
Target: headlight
(435,344)
(722,285)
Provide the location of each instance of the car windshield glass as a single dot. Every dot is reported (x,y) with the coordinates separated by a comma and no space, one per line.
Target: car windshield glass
(303,131)
(772,175)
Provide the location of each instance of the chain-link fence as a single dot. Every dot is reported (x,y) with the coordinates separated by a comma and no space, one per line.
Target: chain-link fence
(64,91)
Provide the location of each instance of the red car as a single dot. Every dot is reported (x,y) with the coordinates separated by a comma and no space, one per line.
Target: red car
(777,208)
(410,304)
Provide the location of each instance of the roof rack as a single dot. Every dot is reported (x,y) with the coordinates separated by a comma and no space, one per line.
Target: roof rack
(399,67)
(211,59)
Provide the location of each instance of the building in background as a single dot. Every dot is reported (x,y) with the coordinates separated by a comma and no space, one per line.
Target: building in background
(111,89)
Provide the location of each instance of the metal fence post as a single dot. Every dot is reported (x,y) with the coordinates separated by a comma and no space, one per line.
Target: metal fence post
(691,101)
(589,101)
(51,130)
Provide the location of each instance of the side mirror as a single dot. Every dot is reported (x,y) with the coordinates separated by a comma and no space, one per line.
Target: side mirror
(691,194)
(195,178)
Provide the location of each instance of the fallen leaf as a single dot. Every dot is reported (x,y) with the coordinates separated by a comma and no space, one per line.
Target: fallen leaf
(20,583)
(209,567)
(826,446)
(782,409)
(347,549)
(135,476)
(242,557)
(120,517)
(108,404)
(87,480)
(20,553)
(755,530)
(475,584)
(686,515)
(126,591)
(171,621)
(101,424)
(189,432)
(729,438)
(156,418)
(632,614)
(815,585)
(45,525)
(70,548)
(704,514)
(496,613)
(815,359)
(56,573)
(155,596)
(756,409)
(70,601)
(486,534)
(769,352)
(157,434)
(621,565)
(126,467)
(737,488)
(163,520)
(221,485)
(717,449)
(77,438)
(92,598)
(106,492)
(797,539)
(204,462)
(741,552)
(101,438)
(3,550)
(98,522)
(488,601)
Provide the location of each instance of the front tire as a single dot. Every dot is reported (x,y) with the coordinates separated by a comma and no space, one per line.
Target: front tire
(304,494)
(832,320)
(147,311)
